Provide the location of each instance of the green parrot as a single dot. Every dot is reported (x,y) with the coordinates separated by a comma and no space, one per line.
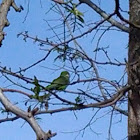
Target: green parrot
(60,83)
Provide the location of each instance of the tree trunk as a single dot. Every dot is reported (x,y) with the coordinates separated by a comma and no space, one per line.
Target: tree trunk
(134,72)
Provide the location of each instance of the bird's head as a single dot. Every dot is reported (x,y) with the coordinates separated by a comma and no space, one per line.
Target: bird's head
(65,74)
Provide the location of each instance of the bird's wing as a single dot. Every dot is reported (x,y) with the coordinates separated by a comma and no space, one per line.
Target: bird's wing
(57,83)
(64,83)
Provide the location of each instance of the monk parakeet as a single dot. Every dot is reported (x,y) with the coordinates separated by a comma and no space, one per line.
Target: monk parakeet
(60,83)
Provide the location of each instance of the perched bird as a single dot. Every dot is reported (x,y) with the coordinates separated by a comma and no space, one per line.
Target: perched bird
(60,83)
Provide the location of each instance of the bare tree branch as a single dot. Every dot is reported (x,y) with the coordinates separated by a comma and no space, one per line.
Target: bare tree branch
(28,116)
(105,15)
(102,104)
(9,119)
(4,8)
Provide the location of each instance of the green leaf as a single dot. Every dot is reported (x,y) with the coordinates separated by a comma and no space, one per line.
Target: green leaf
(44,97)
(78,100)
(37,87)
(81,19)
(35,80)
(78,13)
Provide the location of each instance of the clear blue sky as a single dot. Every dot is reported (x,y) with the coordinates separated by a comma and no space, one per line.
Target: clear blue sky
(16,53)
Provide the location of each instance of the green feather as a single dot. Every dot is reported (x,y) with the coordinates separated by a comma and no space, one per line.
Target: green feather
(60,83)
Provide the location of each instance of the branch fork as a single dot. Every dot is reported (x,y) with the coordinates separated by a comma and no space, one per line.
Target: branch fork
(27,116)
